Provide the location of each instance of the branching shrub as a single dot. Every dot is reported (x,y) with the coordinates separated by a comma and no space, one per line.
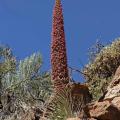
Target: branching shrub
(22,84)
(99,72)
(28,83)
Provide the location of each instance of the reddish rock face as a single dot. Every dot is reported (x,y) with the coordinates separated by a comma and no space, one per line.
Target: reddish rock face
(105,110)
(109,107)
(60,75)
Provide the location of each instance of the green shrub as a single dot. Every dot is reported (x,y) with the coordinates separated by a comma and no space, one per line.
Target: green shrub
(28,82)
(100,71)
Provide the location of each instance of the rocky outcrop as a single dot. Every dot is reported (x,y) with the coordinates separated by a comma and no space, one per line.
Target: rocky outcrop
(114,87)
(109,107)
(106,110)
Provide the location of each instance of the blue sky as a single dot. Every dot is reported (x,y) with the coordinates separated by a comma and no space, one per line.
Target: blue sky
(25,25)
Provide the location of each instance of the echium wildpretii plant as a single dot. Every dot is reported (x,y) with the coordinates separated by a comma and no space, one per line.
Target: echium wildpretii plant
(60,76)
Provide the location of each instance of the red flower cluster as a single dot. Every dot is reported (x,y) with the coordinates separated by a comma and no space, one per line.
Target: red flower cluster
(60,76)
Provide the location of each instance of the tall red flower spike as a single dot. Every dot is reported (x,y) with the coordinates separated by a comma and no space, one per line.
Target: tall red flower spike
(60,76)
